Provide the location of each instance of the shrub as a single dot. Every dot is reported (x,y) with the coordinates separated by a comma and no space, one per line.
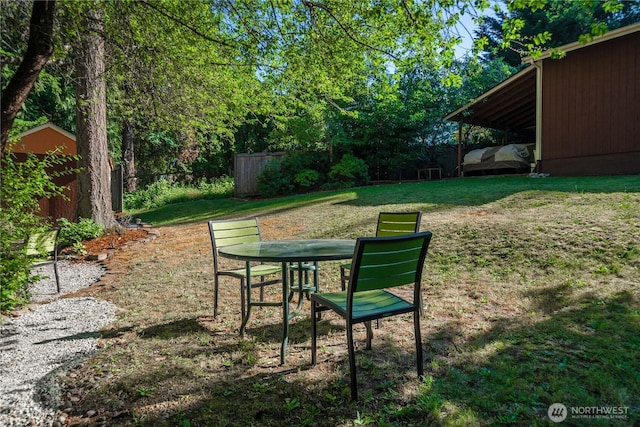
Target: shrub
(23,183)
(149,197)
(308,178)
(163,192)
(217,188)
(298,171)
(273,180)
(349,172)
(72,233)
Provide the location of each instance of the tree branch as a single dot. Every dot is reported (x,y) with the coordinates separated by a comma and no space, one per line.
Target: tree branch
(39,50)
(409,14)
(311,5)
(186,25)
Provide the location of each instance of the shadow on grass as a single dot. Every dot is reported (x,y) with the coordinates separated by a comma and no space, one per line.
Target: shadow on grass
(234,398)
(425,195)
(206,209)
(232,391)
(173,329)
(583,353)
(570,348)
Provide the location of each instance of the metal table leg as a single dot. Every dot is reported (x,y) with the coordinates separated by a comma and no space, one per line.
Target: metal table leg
(285,313)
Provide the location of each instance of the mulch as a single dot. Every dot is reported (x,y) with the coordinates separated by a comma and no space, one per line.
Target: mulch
(104,246)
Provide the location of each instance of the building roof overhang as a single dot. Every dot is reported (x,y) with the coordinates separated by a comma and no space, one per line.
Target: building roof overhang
(44,126)
(44,139)
(509,105)
(512,104)
(613,34)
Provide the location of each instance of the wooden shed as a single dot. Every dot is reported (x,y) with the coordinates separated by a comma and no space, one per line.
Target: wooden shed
(584,109)
(41,140)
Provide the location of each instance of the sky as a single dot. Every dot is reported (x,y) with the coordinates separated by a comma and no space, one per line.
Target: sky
(465,29)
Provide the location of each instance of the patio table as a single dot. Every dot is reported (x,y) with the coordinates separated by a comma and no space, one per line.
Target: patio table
(285,252)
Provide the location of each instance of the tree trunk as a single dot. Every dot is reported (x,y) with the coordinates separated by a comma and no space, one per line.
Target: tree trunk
(129,160)
(39,50)
(94,183)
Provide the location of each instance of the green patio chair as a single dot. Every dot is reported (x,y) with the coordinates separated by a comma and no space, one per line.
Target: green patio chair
(42,248)
(379,264)
(234,232)
(389,224)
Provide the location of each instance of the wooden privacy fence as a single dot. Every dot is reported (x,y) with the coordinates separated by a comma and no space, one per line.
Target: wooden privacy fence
(246,168)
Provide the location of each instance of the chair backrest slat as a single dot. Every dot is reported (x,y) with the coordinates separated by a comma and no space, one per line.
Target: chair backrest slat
(236,240)
(385,262)
(233,224)
(398,223)
(43,242)
(234,232)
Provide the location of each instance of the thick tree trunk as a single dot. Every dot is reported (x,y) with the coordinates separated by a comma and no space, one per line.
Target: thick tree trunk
(39,50)
(94,183)
(129,160)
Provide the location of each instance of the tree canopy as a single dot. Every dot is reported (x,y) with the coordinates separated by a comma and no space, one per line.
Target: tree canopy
(515,31)
(194,82)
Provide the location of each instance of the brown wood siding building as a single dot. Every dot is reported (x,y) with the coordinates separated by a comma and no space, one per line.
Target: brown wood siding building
(591,110)
(587,106)
(59,207)
(40,141)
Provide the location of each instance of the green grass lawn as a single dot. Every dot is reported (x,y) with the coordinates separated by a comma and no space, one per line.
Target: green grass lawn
(531,291)
(433,195)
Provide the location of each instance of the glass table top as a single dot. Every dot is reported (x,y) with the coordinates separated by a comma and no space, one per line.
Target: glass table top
(291,250)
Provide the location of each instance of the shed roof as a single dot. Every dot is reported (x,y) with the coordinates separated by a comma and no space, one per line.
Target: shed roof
(512,103)
(509,105)
(45,138)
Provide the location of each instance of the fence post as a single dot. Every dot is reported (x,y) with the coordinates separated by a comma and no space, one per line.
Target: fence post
(117,189)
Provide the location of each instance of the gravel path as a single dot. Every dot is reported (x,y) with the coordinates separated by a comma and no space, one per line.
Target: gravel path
(46,340)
